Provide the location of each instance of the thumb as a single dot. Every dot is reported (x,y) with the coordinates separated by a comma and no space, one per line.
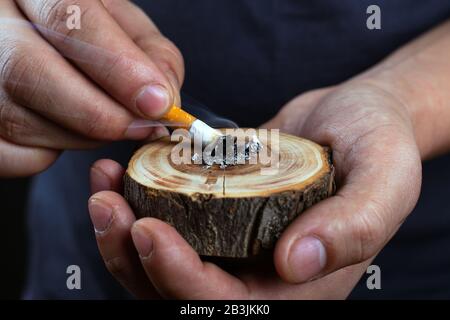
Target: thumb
(354,225)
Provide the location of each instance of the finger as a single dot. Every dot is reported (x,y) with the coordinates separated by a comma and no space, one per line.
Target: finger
(354,225)
(171,263)
(112,219)
(35,76)
(161,50)
(19,161)
(120,67)
(22,126)
(106,175)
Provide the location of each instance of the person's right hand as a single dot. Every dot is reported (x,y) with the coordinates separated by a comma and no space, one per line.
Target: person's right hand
(73,89)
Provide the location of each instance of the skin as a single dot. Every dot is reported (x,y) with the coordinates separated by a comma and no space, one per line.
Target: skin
(117,53)
(378,171)
(381,125)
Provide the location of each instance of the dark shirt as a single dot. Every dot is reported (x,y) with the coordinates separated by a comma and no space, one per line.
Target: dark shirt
(245,59)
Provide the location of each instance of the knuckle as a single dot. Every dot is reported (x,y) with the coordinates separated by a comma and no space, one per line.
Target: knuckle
(163,50)
(171,49)
(121,64)
(95,124)
(53,15)
(100,125)
(171,55)
(22,75)
(12,122)
(370,231)
(12,59)
(53,12)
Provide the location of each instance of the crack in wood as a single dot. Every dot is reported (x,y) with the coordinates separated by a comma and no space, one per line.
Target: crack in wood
(223,183)
(254,242)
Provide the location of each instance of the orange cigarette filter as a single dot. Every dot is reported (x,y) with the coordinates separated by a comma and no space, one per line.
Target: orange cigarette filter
(178,117)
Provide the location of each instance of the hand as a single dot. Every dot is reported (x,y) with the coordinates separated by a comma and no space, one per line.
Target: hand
(378,174)
(378,171)
(96,86)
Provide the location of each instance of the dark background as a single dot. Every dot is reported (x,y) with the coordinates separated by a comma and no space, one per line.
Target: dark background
(12,237)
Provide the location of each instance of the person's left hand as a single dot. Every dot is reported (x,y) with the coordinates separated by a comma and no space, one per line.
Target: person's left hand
(324,252)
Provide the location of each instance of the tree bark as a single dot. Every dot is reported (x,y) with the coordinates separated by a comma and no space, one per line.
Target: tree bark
(232,212)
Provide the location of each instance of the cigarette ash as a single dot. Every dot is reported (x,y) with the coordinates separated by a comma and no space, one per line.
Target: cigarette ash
(226,151)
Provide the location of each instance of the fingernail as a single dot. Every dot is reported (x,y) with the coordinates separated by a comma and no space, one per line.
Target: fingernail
(101,215)
(153,101)
(307,258)
(142,242)
(99,181)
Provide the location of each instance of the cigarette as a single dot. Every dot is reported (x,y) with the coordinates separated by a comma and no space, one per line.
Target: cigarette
(181,119)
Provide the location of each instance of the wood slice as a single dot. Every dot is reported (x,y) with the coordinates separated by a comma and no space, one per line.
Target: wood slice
(231,212)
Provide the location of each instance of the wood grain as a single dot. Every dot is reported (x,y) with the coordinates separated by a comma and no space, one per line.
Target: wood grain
(231,212)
